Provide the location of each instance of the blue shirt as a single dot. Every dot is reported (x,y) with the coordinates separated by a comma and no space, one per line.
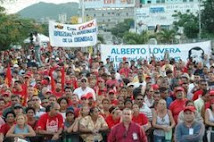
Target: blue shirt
(182,132)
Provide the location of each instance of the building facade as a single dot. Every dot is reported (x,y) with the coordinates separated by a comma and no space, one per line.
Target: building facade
(165,1)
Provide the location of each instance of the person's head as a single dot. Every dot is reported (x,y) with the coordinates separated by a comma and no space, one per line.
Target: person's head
(189,103)
(36,101)
(2,103)
(74,99)
(139,100)
(10,117)
(156,96)
(197,77)
(128,103)
(21,119)
(63,102)
(135,108)
(127,115)
(70,115)
(45,102)
(161,104)
(111,95)
(189,114)
(203,84)
(115,112)
(164,92)
(179,92)
(30,112)
(94,112)
(52,99)
(68,92)
(84,82)
(15,99)
(18,109)
(106,104)
(54,108)
(84,111)
(113,74)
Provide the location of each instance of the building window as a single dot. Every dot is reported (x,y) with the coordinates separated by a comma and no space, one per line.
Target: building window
(94,15)
(102,14)
(184,0)
(109,20)
(158,1)
(163,1)
(127,14)
(190,0)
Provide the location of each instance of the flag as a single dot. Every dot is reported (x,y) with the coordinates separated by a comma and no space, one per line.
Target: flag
(8,79)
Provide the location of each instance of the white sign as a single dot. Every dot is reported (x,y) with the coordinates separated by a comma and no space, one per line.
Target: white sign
(108,3)
(81,35)
(134,52)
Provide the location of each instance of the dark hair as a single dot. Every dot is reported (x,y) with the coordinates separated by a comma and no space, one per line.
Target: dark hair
(189,101)
(128,100)
(62,98)
(92,110)
(30,108)
(10,112)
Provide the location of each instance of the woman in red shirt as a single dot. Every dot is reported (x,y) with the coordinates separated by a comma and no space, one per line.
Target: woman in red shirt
(114,117)
(140,118)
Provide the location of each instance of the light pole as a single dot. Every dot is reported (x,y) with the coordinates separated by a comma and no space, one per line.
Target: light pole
(199,18)
(83,10)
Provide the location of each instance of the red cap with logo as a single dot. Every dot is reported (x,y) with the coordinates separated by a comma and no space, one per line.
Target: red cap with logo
(189,108)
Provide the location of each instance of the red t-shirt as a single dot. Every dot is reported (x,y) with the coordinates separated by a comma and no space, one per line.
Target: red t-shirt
(176,107)
(50,124)
(111,122)
(141,119)
(5,128)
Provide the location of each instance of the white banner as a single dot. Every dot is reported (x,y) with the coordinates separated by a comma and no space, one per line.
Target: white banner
(81,35)
(135,52)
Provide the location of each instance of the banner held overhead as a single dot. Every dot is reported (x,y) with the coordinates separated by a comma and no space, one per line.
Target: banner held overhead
(80,35)
(134,52)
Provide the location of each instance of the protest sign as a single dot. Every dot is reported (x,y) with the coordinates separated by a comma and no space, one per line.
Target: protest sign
(80,35)
(134,52)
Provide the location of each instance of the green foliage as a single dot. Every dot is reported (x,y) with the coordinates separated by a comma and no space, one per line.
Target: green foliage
(101,39)
(121,28)
(135,38)
(166,36)
(189,22)
(13,30)
(207,17)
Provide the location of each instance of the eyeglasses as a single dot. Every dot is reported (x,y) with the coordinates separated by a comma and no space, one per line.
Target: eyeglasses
(140,99)
(35,99)
(44,102)
(57,109)
(83,80)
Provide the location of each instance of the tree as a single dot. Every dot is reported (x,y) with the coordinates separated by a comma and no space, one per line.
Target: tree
(166,36)
(189,22)
(120,29)
(207,16)
(135,38)
(13,30)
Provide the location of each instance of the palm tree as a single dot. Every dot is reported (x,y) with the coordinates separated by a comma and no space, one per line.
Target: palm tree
(166,36)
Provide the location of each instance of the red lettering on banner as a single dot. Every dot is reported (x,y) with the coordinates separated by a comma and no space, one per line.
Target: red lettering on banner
(86,26)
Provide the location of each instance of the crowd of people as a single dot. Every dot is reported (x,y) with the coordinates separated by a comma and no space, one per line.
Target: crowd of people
(71,91)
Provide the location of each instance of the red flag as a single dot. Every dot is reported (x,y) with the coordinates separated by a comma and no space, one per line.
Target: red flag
(8,79)
(63,78)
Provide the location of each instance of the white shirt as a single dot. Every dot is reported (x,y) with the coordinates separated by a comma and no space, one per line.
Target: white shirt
(81,92)
(147,111)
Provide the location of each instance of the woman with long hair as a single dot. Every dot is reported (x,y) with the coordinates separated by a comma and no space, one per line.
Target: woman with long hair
(163,123)
(21,129)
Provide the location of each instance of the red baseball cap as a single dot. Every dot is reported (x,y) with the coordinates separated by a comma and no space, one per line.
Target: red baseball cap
(212,101)
(179,89)
(124,58)
(89,95)
(111,92)
(211,92)
(190,108)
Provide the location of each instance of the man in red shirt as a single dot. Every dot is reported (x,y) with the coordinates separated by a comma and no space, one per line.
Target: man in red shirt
(127,131)
(125,71)
(10,120)
(179,104)
(51,123)
(203,86)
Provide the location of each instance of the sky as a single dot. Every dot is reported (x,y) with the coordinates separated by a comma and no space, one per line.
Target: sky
(15,6)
